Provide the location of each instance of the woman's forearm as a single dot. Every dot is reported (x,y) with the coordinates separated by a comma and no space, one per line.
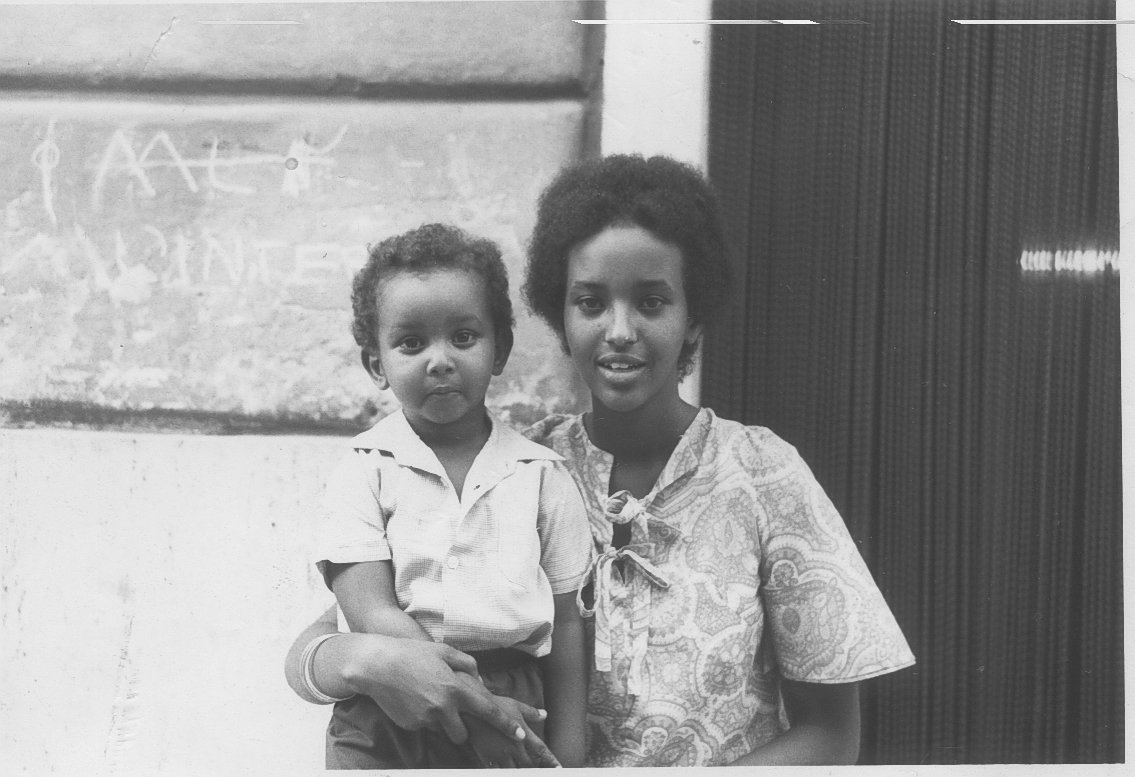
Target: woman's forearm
(420,685)
(330,668)
(293,662)
(824,728)
(803,745)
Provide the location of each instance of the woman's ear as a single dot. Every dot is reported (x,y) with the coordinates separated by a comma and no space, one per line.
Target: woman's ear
(693,332)
(374,368)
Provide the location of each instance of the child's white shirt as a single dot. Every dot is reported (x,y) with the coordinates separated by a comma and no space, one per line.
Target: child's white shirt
(476,572)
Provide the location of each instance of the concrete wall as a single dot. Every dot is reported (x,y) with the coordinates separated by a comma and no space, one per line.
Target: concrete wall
(150,586)
(151,578)
(189,190)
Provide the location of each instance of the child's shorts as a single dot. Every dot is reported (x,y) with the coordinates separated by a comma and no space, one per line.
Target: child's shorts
(362,736)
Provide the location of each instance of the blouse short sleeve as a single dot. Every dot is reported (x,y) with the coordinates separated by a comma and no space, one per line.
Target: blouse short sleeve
(827,619)
(352,521)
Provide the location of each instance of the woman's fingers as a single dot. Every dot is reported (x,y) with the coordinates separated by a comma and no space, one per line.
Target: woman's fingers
(531,715)
(538,752)
(475,699)
(453,726)
(458,661)
(520,757)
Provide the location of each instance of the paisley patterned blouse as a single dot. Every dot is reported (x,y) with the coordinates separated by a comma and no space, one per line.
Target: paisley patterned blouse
(739,572)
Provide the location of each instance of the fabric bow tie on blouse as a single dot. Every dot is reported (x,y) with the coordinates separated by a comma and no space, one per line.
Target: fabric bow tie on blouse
(619,616)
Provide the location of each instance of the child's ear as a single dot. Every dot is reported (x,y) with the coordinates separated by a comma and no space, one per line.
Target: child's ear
(503,349)
(374,368)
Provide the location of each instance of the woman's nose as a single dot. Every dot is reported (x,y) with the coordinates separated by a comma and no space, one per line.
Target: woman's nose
(621,327)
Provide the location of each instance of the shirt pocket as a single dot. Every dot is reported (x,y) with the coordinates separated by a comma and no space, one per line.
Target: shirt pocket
(515,512)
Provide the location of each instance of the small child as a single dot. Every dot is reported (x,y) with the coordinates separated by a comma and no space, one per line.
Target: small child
(443,524)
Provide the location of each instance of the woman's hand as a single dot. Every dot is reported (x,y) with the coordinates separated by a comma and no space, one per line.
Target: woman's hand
(420,685)
(500,752)
(495,750)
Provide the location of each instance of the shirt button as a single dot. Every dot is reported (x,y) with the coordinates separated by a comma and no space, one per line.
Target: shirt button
(452,562)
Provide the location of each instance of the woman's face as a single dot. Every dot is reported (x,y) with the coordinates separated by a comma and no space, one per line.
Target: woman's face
(626,318)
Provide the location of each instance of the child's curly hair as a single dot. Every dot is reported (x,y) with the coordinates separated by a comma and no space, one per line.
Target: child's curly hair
(422,250)
(668,198)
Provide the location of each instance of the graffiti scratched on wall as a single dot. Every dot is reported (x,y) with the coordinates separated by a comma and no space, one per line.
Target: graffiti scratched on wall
(162,258)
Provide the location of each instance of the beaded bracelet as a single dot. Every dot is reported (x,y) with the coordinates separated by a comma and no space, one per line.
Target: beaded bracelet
(307,661)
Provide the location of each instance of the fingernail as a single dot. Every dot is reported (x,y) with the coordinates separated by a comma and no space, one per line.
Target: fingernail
(520,733)
(543,714)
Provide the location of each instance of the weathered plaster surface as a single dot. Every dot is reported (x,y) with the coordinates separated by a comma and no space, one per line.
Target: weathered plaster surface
(149,587)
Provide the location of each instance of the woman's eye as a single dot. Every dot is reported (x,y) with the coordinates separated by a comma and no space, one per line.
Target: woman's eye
(589,304)
(653,303)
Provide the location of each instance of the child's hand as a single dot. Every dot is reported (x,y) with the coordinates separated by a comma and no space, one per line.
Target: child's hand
(497,751)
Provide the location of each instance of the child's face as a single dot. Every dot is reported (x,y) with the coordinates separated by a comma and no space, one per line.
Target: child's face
(437,347)
(626,317)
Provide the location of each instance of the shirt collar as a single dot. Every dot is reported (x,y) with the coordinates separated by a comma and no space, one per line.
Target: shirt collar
(514,446)
(394,435)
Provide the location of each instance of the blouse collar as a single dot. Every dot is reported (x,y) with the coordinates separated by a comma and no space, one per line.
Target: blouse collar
(682,462)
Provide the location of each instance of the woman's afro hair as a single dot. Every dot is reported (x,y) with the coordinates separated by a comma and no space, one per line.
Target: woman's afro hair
(670,199)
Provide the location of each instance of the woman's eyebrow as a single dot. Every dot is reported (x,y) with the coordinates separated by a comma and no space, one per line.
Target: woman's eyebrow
(659,283)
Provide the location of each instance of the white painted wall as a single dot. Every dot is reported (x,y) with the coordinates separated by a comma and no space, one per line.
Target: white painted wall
(149,588)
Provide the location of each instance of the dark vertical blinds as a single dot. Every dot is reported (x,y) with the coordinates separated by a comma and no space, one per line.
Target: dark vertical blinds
(882,181)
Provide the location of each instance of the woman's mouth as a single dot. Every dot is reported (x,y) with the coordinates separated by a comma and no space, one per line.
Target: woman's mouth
(620,367)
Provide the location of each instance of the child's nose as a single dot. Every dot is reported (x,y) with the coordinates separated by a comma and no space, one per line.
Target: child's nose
(440,362)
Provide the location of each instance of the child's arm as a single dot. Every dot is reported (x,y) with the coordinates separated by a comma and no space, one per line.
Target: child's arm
(824,727)
(365,592)
(565,684)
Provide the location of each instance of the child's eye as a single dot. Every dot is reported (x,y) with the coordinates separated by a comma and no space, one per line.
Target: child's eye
(589,304)
(652,303)
(410,344)
(465,337)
